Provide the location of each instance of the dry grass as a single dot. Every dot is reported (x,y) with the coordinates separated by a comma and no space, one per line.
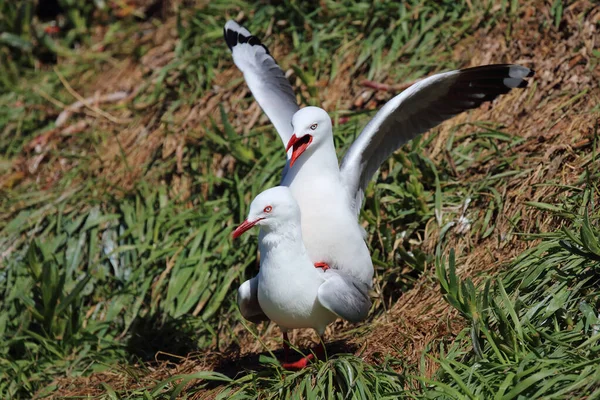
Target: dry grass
(552,125)
(553,117)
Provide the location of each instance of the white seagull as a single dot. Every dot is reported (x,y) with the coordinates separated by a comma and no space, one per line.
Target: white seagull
(329,194)
(289,290)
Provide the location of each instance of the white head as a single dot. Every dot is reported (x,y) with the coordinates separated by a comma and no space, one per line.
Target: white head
(312,127)
(272,209)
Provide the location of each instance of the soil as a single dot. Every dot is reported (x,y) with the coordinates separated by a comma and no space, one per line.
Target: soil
(552,116)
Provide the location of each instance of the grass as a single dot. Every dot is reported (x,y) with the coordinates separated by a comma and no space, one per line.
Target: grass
(117,259)
(537,324)
(533,332)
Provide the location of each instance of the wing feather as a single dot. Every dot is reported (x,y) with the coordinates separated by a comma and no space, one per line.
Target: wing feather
(248,301)
(266,80)
(345,296)
(418,109)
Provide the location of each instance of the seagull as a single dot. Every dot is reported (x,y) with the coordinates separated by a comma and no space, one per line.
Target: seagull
(330,194)
(289,290)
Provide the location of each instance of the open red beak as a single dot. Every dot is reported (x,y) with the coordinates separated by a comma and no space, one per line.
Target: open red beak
(299,145)
(244,227)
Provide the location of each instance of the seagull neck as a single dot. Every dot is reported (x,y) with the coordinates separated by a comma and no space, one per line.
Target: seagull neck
(287,234)
(282,244)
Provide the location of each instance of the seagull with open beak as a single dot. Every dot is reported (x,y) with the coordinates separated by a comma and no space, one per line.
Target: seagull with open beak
(329,193)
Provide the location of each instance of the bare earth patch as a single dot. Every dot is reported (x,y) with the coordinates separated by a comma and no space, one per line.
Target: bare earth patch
(553,116)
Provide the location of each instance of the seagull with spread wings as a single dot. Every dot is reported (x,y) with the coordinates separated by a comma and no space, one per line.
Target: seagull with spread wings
(330,193)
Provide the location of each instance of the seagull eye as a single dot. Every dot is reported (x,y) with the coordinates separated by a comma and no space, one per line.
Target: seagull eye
(313,127)
(268,209)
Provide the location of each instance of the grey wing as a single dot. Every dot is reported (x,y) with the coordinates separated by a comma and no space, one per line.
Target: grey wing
(418,109)
(248,301)
(266,80)
(345,296)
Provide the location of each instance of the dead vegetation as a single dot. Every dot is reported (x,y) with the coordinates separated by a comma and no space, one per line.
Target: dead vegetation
(557,118)
(554,118)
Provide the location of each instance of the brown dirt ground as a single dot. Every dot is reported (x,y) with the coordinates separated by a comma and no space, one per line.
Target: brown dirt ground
(552,115)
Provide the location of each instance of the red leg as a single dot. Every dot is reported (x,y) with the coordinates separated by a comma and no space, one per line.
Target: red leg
(323,265)
(300,364)
(303,362)
(286,347)
(320,350)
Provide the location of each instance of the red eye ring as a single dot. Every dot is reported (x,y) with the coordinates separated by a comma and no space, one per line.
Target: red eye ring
(268,209)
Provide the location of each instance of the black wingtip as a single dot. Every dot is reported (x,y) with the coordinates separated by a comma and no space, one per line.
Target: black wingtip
(496,77)
(231,37)
(474,86)
(234,37)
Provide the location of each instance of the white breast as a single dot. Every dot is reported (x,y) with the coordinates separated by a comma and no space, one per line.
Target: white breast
(330,229)
(288,288)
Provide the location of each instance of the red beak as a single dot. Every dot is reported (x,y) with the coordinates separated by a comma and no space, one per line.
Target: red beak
(299,146)
(244,227)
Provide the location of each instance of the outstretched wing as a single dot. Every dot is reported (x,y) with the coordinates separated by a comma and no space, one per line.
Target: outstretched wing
(248,301)
(266,80)
(344,296)
(418,109)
